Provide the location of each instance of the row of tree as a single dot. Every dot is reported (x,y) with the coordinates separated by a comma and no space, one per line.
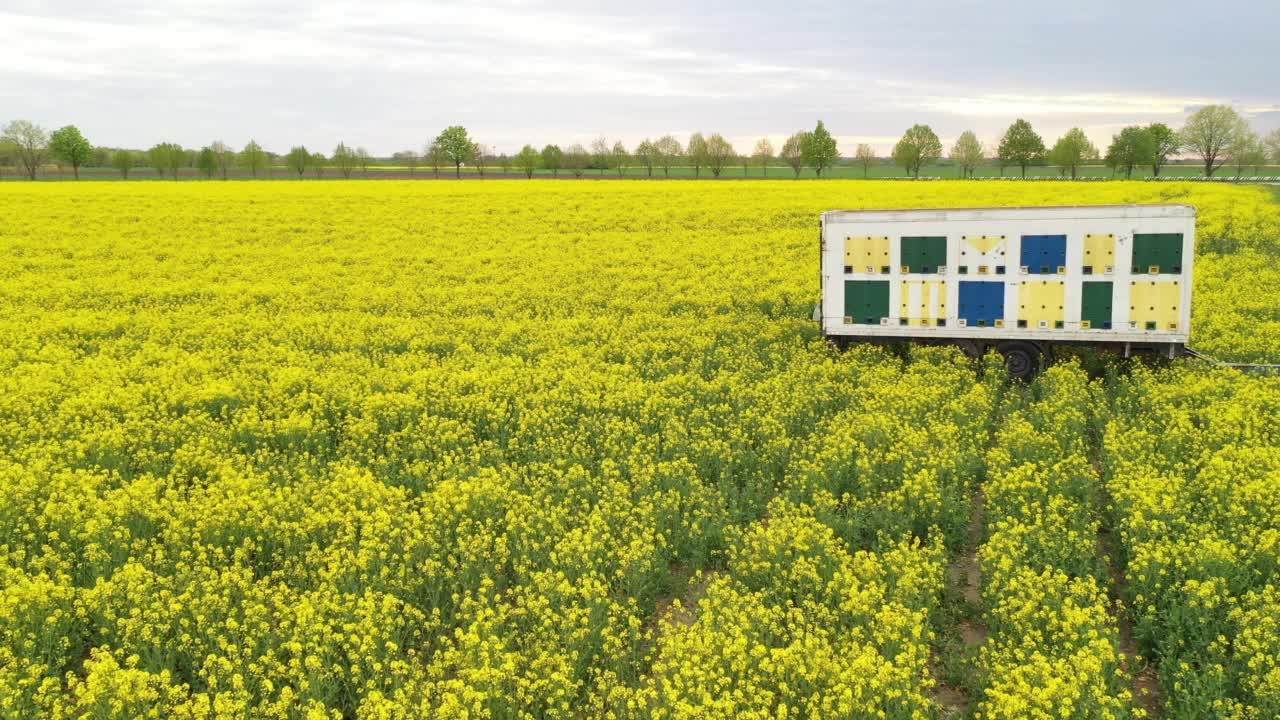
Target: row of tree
(1216,134)
(815,148)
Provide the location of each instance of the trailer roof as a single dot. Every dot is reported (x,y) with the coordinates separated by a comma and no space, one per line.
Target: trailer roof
(981,213)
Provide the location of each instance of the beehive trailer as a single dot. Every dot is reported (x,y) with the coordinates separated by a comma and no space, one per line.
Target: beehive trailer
(1016,280)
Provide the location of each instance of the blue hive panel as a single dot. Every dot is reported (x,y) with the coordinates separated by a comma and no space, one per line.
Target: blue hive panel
(981,303)
(1044,254)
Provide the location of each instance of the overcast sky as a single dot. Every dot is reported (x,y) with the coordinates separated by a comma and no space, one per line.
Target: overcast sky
(388,75)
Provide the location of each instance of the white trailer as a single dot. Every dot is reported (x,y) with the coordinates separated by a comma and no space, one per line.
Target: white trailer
(1017,280)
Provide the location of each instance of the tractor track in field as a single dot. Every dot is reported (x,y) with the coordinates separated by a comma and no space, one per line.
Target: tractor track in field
(964,630)
(1144,685)
(955,658)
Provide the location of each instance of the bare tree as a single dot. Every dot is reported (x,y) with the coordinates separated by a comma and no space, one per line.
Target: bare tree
(409,159)
(362,159)
(30,143)
(619,157)
(669,151)
(576,160)
(967,153)
(223,157)
(763,155)
(1245,151)
(793,152)
(600,154)
(504,162)
(719,153)
(1272,141)
(481,156)
(864,157)
(696,153)
(435,157)
(9,155)
(1210,132)
(647,155)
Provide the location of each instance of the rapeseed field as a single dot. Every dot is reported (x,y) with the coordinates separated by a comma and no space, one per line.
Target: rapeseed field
(574,449)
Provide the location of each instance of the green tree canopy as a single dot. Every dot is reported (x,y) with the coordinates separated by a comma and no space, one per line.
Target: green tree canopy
(1072,150)
(1131,147)
(456,146)
(528,160)
(1021,146)
(207,161)
(1164,142)
(123,160)
(167,157)
(298,159)
(818,149)
(68,146)
(1247,151)
(253,158)
(344,158)
(919,146)
(552,159)
(647,155)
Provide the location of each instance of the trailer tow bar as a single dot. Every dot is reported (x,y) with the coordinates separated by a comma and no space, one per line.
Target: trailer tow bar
(1245,367)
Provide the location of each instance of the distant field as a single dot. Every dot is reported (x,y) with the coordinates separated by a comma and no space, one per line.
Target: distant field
(779,172)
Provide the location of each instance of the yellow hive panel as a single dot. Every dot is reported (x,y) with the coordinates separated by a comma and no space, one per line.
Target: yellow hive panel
(980,253)
(1154,302)
(866,254)
(1099,252)
(983,243)
(1041,300)
(923,302)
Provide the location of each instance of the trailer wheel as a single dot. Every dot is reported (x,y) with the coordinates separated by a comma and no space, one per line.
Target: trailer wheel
(1021,360)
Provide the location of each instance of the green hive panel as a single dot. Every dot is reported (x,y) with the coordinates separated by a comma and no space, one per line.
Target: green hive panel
(866,301)
(1161,251)
(1095,304)
(923,254)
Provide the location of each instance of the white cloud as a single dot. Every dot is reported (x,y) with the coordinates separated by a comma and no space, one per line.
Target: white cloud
(388,73)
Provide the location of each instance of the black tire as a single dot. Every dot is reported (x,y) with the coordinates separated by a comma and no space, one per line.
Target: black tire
(1022,361)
